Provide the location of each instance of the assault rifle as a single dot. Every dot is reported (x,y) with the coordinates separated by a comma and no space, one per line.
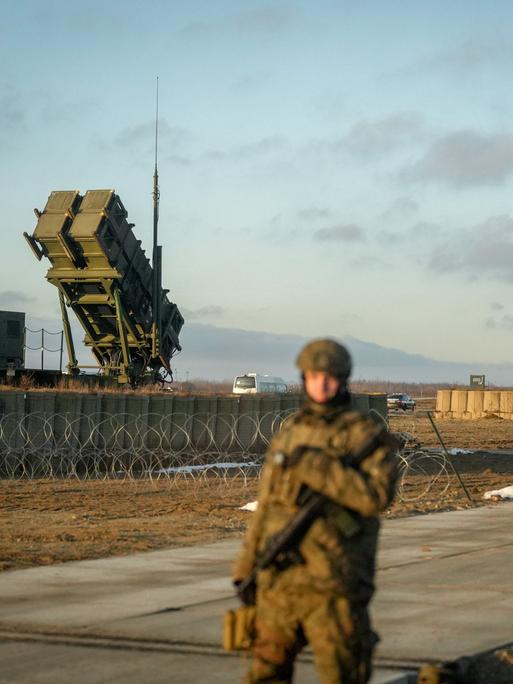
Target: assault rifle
(284,544)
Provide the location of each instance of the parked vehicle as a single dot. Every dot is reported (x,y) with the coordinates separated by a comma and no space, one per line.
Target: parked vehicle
(401,401)
(253,383)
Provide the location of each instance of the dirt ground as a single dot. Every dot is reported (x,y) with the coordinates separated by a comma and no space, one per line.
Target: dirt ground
(484,433)
(50,521)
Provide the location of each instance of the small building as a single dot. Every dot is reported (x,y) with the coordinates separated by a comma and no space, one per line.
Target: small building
(12,341)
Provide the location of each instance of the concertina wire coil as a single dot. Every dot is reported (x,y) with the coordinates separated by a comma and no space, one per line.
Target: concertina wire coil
(155,446)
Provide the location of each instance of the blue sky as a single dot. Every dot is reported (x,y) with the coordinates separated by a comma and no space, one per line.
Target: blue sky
(328,168)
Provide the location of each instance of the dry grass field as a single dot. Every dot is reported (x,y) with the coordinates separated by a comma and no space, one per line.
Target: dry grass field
(482,434)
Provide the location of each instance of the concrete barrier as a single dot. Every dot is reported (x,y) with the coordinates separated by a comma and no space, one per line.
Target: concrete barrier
(443,401)
(458,401)
(472,404)
(492,402)
(475,404)
(506,404)
(148,421)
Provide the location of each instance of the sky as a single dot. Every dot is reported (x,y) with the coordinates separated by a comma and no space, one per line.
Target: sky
(337,168)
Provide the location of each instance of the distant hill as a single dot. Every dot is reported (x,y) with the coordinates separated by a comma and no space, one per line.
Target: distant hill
(216,353)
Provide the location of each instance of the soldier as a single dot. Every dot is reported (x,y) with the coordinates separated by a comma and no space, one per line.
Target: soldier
(319,595)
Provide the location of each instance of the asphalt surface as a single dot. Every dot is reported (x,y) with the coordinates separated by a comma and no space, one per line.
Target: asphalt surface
(444,590)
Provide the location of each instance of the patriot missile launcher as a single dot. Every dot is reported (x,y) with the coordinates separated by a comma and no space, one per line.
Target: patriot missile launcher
(104,276)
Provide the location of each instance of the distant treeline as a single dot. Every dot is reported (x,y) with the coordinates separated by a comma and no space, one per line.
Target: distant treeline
(415,389)
(199,386)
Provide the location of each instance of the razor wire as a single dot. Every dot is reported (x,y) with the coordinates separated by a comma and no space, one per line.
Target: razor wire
(172,446)
(125,445)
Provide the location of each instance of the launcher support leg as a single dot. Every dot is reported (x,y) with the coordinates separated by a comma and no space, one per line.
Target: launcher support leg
(72,359)
(124,373)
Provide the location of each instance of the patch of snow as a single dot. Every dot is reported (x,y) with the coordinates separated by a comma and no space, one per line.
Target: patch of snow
(504,493)
(458,452)
(251,506)
(207,466)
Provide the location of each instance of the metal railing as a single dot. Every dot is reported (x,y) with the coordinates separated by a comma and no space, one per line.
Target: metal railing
(40,344)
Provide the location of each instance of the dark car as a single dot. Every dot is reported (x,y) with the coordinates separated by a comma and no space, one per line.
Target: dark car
(401,401)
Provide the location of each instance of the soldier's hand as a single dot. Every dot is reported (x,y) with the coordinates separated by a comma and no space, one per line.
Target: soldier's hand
(246,592)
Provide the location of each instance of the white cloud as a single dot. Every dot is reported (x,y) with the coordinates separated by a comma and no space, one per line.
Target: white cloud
(389,238)
(10,298)
(401,208)
(484,249)
(465,159)
(424,230)
(13,121)
(314,213)
(256,21)
(370,139)
(502,323)
(472,54)
(267,19)
(177,136)
(250,150)
(341,233)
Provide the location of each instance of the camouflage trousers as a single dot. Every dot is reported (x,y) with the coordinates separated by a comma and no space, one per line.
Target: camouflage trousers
(339,635)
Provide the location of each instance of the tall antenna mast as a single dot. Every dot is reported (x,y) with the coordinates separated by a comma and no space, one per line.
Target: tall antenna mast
(156,192)
(157,251)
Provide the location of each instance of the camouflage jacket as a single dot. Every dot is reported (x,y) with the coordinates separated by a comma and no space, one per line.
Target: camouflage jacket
(339,548)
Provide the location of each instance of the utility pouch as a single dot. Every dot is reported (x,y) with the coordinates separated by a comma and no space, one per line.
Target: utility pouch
(429,674)
(239,629)
(346,523)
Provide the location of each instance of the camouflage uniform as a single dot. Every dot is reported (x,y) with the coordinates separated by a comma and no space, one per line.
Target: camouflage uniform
(323,599)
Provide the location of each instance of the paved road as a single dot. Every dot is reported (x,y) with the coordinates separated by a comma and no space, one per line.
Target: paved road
(156,617)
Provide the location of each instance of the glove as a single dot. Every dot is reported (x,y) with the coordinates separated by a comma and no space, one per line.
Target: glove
(245,592)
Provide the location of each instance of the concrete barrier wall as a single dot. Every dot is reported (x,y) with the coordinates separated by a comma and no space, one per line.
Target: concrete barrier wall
(115,420)
(471,404)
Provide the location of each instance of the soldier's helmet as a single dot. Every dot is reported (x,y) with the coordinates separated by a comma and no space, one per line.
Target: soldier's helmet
(325,355)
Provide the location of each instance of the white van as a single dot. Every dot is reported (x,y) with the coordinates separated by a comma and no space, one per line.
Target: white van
(253,383)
